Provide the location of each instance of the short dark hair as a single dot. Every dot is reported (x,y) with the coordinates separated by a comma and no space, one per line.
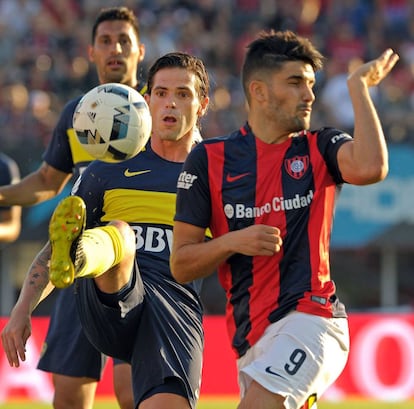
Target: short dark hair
(116,13)
(181,60)
(274,48)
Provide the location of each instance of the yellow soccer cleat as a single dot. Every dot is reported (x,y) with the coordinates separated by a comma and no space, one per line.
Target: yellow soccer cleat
(65,227)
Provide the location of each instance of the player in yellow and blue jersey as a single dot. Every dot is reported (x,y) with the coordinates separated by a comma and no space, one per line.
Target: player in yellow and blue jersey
(130,306)
(76,365)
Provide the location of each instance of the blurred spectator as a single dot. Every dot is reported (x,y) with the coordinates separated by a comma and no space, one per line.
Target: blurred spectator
(43,41)
(335,100)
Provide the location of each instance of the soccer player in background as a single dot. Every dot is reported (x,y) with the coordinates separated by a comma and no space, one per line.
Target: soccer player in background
(76,365)
(10,216)
(129,304)
(267,192)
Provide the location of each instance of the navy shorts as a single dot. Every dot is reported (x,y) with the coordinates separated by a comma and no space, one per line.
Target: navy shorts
(157,328)
(67,350)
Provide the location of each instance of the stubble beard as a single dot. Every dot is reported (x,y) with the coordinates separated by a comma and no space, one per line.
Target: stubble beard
(291,123)
(119,77)
(300,124)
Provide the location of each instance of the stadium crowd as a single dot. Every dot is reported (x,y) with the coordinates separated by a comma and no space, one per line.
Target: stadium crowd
(43,60)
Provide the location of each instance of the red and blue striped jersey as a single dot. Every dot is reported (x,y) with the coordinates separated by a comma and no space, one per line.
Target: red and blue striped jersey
(235,181)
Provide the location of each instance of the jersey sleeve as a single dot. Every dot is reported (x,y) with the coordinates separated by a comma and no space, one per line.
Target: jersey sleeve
(58,153)
(329,141)
(89,186)
(193,195)
(9,173)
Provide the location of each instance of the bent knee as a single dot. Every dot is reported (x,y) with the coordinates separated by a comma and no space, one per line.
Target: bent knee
(127,233)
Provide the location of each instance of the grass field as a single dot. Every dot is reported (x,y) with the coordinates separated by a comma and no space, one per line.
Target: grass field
(229,404)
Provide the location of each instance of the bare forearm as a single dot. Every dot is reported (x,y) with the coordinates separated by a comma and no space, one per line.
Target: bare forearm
(36,285)
(365,159)
(198,260)
(41,185)
(29,191)
(193,258)
(370,149)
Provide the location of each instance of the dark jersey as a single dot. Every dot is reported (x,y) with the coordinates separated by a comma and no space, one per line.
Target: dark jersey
(9,173)
(233,182)
(142,192)
(66,350)
(161,335)
(64,151)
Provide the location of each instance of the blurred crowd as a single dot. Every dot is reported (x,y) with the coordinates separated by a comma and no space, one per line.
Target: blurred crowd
(43,57)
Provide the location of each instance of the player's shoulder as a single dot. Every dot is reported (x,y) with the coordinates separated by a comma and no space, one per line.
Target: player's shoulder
(221,138)
(6,160)
(215,144)
(9,170)
(142,88)
(4,163)
(326,132)
(70,107)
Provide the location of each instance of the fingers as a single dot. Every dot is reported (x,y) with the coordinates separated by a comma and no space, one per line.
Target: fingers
(386,62)
(390,59)
(15,350)
(273,242)
(257,240)
(382,66)
(373,72)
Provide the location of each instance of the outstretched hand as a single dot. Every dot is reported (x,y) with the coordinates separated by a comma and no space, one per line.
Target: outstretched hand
(373,72)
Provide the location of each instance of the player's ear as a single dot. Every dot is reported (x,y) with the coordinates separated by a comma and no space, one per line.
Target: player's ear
(258,90)
(91,54)
(203,107)
(141,52)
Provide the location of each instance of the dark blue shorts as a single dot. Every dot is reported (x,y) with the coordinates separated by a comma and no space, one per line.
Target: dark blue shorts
(67,350)
(158,329)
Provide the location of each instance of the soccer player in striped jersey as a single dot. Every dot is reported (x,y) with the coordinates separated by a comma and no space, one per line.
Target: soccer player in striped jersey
(267,192)
(130,306)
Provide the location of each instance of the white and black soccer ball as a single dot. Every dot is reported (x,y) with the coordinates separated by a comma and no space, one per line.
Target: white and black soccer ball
(112,122)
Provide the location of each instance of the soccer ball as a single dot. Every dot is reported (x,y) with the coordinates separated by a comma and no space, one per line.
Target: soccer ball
(112,122)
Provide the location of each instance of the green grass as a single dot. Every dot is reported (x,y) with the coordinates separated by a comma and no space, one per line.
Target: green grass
(365,405)
(229,404)
(357,404)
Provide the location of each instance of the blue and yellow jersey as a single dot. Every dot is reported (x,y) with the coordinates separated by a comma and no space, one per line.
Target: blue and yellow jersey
(142,192)
(64,151)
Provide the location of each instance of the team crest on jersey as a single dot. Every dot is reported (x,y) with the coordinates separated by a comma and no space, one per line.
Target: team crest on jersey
(297,166)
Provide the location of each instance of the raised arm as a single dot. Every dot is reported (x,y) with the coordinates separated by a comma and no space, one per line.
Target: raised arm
(40,185)
(35,288)
(365,159)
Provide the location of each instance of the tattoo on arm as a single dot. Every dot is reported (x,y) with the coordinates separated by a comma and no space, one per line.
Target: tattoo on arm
(38,274)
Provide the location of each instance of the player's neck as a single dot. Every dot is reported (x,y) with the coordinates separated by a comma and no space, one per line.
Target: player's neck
(173,151)
(268,132)
(133,83)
